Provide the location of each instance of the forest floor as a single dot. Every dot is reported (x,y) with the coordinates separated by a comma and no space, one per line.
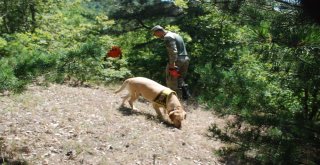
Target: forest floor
(65,125)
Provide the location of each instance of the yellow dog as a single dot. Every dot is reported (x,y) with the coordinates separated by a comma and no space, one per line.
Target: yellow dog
(159,95)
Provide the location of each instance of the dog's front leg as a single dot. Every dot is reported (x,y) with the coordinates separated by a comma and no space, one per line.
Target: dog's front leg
(157,108)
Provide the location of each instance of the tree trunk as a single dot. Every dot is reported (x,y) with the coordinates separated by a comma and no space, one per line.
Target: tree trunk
(305,102)
(33,16)
(314,107)
(5,20)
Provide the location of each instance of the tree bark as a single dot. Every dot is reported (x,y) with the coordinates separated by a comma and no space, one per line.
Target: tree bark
(5,20)
(314,107)
(305,102)
(33,16)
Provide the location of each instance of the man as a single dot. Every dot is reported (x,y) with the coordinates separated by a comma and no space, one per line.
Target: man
(178,60)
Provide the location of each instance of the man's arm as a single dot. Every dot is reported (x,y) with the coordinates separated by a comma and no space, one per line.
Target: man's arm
(172,51)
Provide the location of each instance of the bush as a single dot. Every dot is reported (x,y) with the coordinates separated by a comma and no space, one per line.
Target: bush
(8,81)
(18,71)
(86,64)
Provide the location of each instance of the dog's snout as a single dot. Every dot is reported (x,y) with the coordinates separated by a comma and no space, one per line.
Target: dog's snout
(178,126)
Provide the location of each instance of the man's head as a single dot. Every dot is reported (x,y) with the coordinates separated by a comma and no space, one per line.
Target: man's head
(158,31)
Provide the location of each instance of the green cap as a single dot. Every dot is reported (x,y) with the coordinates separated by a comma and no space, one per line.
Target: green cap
(156,28)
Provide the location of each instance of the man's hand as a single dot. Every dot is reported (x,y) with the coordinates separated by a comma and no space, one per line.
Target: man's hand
(172,65)
(174,72)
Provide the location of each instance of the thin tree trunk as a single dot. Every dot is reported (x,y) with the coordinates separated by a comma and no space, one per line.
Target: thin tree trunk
(33,16)
(305,102)
(315,107)
(5,20)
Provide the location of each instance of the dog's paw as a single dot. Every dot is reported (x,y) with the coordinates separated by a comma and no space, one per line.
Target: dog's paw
(135,110)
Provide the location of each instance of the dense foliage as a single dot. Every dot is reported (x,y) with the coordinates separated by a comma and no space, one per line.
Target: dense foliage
(255,59)
(61,41)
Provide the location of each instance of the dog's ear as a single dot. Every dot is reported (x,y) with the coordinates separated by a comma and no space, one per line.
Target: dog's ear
(171,113)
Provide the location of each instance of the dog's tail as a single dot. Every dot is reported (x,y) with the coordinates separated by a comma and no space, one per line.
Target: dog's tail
(124,84)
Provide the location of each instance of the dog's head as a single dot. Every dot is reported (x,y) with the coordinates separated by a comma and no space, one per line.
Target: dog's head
(177,116)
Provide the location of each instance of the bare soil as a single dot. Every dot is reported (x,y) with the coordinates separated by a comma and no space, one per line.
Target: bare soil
(67,125)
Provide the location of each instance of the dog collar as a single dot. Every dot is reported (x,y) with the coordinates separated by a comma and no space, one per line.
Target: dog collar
(163,96)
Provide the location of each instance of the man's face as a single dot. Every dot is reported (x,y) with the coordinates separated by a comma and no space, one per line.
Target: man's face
(158,34)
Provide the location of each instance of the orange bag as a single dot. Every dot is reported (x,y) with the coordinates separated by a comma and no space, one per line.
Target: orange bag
(114,52)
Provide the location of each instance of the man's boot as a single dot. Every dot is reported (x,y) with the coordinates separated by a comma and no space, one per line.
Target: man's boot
(185,92)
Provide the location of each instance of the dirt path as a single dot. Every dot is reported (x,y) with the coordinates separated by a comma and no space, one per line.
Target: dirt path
(67,125)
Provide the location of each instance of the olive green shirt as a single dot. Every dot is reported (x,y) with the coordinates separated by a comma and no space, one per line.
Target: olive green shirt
(175,46)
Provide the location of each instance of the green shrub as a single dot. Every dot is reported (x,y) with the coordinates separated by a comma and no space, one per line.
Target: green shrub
(8,81)
(86,64)
(17,72)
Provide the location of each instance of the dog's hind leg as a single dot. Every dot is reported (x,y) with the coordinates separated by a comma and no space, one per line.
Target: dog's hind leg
(133,97)
(124,99)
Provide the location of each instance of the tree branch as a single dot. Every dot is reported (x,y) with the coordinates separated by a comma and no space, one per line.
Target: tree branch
(142,24)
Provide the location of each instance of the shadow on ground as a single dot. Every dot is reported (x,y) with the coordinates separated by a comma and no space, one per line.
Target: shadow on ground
(267,143)
(6,156)
(128,112)
(12,162)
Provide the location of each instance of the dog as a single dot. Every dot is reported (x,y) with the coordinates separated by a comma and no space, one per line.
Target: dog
(160,96)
